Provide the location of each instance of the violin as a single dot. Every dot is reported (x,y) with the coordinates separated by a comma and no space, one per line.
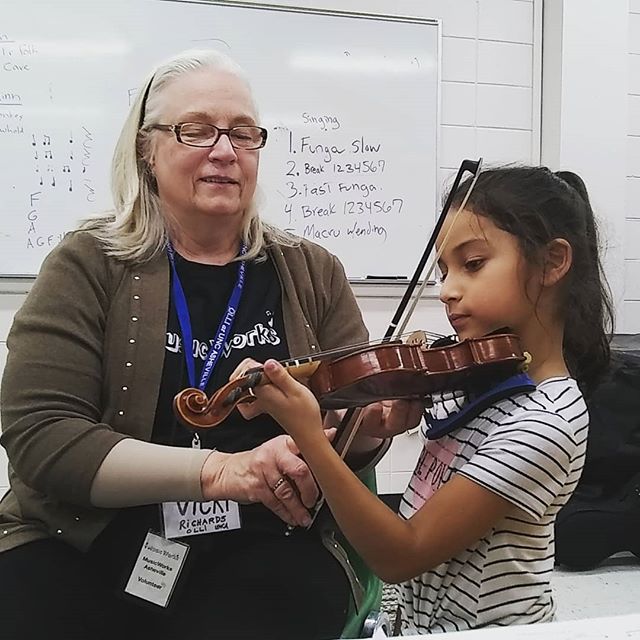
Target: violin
(389,371)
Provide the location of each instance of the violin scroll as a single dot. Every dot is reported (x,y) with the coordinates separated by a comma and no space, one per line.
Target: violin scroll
(195,410)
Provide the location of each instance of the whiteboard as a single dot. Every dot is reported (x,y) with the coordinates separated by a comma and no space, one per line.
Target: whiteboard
(351,102)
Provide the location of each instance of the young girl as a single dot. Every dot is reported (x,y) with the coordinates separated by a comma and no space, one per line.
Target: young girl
(473,543)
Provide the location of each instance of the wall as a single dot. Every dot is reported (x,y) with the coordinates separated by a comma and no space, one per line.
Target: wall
(584,117)
(491,88)
(631,316)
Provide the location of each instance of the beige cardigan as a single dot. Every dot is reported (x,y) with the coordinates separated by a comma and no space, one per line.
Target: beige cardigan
(83,372)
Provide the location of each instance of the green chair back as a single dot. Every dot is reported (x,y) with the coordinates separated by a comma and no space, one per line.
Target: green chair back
(371,583)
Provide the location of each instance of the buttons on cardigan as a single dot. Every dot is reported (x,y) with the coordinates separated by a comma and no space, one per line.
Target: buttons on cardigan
(5,532)
(135,298)
(308,326)
(59,531)
(77,518)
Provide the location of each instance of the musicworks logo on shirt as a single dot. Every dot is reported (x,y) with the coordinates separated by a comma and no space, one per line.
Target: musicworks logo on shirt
(261,333)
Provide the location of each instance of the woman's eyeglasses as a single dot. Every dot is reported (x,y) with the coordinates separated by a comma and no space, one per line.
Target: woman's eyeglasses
(197,134)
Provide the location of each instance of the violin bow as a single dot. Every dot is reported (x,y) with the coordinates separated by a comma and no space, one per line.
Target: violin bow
(396,327)
(352,419)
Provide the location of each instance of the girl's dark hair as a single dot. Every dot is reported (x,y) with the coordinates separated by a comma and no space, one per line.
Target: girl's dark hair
(536,205)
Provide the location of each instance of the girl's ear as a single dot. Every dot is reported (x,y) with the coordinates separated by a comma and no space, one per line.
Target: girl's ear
(557,262)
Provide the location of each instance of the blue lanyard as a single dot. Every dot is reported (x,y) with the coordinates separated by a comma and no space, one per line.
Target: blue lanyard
(224,328)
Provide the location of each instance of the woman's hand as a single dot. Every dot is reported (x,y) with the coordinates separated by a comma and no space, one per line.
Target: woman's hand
(271,473)
(381,420)
(388,418)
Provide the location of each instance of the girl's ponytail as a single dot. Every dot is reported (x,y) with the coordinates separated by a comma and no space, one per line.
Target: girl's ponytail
(589,318)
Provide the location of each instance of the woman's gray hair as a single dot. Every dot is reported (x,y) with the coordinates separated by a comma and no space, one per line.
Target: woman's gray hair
(135,231)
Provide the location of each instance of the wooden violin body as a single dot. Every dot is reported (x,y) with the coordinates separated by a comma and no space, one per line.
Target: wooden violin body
(393,370)
(389,371)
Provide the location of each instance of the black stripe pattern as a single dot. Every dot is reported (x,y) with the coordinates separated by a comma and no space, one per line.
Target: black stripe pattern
(529,449)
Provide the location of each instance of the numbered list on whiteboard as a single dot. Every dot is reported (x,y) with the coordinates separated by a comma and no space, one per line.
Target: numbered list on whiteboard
(352,190)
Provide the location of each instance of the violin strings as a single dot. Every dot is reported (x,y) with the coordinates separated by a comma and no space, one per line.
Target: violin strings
(312,357)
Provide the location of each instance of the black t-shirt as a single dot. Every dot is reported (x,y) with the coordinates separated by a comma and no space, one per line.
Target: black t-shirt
(257,332)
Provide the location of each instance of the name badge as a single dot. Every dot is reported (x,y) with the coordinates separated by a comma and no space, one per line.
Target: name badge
(156,570)
(195,518)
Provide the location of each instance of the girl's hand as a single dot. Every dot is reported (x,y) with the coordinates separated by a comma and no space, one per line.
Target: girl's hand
(289,402)
(247,410)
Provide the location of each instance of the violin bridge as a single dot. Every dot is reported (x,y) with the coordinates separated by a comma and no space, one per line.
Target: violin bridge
(418,338)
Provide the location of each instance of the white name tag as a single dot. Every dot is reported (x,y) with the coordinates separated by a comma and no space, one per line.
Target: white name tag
(195,518)
(156,570)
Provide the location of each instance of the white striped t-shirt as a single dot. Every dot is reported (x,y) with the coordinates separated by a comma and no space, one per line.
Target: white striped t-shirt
(529,449)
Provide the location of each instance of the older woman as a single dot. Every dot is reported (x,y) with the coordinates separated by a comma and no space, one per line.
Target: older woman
(120,522)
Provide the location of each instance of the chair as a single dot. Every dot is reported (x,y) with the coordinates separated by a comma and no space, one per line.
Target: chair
(363,622)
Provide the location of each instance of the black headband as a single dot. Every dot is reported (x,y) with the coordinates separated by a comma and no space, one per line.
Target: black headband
(143,106)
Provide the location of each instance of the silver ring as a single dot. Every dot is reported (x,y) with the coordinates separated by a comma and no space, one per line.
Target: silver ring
(250,392)
(281,480)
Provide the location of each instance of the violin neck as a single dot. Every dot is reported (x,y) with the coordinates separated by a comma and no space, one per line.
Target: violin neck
(298,368)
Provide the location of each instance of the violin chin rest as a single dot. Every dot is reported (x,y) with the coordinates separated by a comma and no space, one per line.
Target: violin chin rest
(445,341)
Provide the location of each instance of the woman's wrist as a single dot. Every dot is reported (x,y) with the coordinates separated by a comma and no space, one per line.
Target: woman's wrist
(212,475)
